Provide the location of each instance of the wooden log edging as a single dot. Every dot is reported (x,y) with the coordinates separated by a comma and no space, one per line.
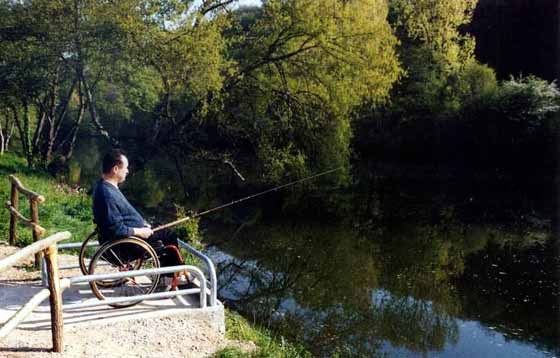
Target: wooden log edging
(32,249)
(34,200)
(34,209)
(23,312)
(54,292)
(25,221)
(14,202)
(30,194)
(28,308)
(55,297)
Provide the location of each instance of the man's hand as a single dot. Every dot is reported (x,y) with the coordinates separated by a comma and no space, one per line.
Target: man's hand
(146,224)
(143,232)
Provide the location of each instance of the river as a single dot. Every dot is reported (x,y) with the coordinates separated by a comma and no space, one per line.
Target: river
(392,266)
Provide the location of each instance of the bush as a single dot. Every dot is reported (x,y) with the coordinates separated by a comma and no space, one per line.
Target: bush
(515,127)
(477,82)
(527,99)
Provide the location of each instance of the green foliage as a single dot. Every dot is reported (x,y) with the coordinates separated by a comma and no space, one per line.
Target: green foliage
(435,24)
(268,346)
(230,352)
(435,55)
(477,82)
(520,106)
(184,48)
(529,99)
(65,208)
(189,230)
(303,67)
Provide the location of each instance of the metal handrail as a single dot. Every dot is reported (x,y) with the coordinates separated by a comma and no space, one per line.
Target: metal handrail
(158,271)
(211,270)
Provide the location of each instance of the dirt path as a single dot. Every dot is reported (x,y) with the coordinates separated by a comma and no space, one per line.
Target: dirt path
(150,337)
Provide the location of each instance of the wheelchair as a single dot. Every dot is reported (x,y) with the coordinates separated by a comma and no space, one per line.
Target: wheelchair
(127,254)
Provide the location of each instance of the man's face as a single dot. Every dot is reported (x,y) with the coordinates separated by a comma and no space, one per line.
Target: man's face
(121,171)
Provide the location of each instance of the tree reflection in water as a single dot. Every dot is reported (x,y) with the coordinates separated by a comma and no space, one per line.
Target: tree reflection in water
(357,289)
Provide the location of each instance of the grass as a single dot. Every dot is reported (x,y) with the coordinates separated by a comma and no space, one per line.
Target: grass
(268,345)
(65,208)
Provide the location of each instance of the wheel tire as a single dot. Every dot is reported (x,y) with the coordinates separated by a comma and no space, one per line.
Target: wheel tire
(106,260)
(83,252)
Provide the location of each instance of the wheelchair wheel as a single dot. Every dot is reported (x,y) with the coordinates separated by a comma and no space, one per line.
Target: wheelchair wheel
(86,252)
(124,255)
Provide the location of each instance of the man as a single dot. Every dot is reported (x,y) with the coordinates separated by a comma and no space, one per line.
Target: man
(116,218)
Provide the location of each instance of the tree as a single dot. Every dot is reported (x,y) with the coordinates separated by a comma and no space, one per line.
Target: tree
(46,52)
(182,44)
(303,66)
(434,52)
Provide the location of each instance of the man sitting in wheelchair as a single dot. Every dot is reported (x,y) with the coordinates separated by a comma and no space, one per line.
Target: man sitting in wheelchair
(116,218)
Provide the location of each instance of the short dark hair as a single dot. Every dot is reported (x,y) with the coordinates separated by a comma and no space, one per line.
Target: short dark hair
(112,158)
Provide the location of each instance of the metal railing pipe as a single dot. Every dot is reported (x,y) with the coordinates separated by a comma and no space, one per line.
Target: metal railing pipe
(151,296)
(158,271)
(133,273)
(211,270)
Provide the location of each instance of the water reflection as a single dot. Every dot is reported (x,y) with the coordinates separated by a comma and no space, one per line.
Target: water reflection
(369,290)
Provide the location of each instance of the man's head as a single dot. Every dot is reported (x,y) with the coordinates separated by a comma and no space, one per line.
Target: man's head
(115,166)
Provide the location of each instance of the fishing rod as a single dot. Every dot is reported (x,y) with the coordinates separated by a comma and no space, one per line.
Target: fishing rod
(177,222)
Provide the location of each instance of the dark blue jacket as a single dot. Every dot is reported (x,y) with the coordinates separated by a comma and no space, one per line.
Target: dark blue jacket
(114,216)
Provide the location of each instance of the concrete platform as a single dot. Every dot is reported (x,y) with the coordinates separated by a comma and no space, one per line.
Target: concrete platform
(14,294)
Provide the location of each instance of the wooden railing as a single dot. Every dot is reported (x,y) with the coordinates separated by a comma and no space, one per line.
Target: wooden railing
(54,292)
(12,205)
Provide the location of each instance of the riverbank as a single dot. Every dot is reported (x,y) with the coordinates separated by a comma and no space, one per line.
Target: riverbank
(69,208)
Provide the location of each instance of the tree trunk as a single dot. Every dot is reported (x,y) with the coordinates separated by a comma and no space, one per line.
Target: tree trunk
(93,113)
(51,116)
(23,129)
(162,111)
(18,125)
(1,138)
(10,132)
(38,132)
(63,113)
(27,134)
(75,130)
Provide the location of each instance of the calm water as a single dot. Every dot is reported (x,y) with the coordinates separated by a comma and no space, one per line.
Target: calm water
(389,268)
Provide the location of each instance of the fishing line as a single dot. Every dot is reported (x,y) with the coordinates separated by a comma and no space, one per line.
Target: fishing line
(176,222)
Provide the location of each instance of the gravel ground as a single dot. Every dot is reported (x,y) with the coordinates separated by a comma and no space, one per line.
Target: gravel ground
(155,337)
(163,337)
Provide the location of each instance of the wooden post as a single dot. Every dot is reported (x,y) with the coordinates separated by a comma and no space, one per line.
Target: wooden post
(57,323)
(13,219)
(36,235)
